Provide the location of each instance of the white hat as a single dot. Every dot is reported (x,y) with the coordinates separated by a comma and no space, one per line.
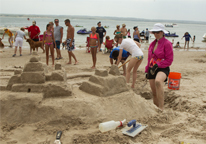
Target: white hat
(158,27)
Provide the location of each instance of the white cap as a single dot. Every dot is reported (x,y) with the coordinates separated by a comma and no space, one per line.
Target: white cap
(158,27)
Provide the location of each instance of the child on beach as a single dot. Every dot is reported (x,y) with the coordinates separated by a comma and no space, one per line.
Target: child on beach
(52,24)
(10,34)
(128,33)
(19,40)
(94,43)
(49,41)
(177,45)
(108,43)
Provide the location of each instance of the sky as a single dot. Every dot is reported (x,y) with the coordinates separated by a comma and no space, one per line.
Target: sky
(192,10)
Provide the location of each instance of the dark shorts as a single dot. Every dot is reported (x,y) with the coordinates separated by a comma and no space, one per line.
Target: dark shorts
(164,70)
(136,40)
(101,40)
(57,44)
(147,38)
(35,40)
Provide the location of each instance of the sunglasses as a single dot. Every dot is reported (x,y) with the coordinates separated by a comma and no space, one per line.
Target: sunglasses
(156,32)
(56,21)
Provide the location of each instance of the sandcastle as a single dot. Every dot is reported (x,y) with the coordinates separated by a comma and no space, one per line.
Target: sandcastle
(35,78)
(104,83)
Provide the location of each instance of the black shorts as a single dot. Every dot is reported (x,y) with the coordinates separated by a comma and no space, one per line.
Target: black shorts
(101,40)
(35,40)
(164,70)
(136,40)
(147,38)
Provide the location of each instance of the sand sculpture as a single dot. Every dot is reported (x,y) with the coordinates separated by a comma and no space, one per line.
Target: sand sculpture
(104,84)
(35,78)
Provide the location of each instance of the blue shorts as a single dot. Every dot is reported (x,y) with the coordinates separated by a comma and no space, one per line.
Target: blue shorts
(57,44)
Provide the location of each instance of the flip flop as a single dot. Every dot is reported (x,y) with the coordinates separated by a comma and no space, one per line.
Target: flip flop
(57,58)
(61,58)
(14,55)
(20,54)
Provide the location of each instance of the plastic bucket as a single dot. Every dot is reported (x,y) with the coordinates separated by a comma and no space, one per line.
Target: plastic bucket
(174,80)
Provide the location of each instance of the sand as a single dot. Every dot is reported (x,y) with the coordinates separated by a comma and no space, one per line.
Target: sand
(31,118)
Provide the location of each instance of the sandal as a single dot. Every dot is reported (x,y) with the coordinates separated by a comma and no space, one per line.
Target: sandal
(61,58)
(20,54)
(57,58)
(14,55)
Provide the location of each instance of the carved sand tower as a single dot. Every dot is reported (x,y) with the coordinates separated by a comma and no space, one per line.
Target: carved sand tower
(34,79)
(104,83)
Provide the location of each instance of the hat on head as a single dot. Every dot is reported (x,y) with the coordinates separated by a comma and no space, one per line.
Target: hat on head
(34,22)
(118,26)
(99,22)
(158,27)
(123,24)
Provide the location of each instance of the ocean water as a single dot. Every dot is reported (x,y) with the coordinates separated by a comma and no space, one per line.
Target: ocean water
(197,29)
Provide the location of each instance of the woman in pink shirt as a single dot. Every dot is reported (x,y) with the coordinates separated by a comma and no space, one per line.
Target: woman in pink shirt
(160,57)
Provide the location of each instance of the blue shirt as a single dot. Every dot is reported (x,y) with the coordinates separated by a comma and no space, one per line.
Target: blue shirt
(187,37)
(124,53)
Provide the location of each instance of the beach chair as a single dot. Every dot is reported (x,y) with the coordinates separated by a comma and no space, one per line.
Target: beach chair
(87,46)
(41,37)
(109,46)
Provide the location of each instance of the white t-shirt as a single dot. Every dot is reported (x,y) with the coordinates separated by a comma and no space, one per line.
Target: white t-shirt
(20,34)
(130,46)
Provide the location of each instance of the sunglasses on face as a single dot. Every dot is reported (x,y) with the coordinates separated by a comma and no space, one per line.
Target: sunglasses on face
(56,21)
(156,32)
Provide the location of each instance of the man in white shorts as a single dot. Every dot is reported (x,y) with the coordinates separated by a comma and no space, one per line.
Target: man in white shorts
(19,40)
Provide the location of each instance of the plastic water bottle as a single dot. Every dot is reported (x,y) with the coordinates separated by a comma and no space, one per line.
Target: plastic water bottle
(110,125)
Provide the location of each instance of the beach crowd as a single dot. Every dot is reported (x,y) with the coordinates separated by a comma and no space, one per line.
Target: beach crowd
(160,52)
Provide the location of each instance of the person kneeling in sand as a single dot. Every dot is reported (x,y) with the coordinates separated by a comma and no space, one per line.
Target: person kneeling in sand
(137,55)
(177,45)
(70,41)
(19,40)
(94,43)
(114,55)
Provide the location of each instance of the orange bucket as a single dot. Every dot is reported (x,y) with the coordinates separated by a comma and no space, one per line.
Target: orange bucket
(174,80)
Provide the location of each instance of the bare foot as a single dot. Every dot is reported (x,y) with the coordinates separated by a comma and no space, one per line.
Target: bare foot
(69,63)
(132,86)
(92,67)
(53,65)
(76,63)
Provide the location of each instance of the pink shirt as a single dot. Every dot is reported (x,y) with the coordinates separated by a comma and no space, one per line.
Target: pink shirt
(164,51)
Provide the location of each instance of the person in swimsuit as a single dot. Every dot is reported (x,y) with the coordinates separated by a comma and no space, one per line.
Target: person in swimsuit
(128,33)
(124,31)
(70,41)
(136,34)
(132,47)
(10,34)
(94,44)
(52,24)
(117,31)
(160,57)
(49,41)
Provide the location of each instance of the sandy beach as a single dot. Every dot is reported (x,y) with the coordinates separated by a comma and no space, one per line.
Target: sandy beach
(30,118)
